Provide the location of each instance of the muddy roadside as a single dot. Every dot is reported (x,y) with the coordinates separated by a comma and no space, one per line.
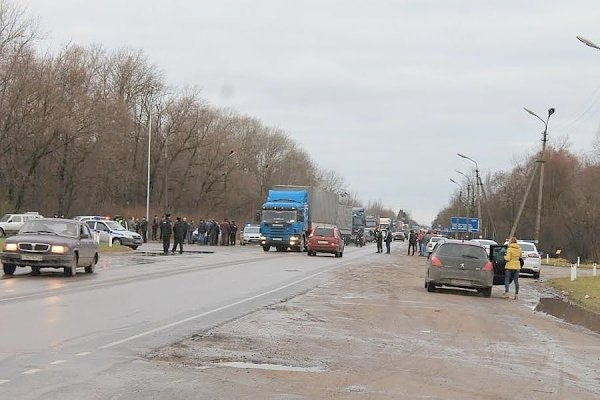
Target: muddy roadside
(373,331)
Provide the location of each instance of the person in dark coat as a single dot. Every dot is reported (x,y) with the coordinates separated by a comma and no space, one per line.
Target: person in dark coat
(154,227)
(412,242)
(165,232)
(201,232)
(379,240)
(225,231)
(180,231)
(388,240)
(233,233)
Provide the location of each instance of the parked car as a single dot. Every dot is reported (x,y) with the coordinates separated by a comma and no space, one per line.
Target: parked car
(486,243)
(532,261)
(326,239)
(432,242)
(50,243)
(12,223)
(85,218)
(115,232)
(459,264)
(250,234)
(398,236)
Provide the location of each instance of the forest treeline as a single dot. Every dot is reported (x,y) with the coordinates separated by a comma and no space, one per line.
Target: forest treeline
(570,215)
(75,126)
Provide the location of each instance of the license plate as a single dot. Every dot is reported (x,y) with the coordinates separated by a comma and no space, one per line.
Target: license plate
(322,242)
(277,239)
(459,282)
(31,257)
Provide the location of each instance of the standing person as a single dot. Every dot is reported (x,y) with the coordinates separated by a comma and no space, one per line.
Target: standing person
(191,228)
(165,233)
(225,231)
(233,233)
(513,266)
(379,240)
(201,232)
(412,242)
(388,240)
(154,227)
(180,232)
(144,229)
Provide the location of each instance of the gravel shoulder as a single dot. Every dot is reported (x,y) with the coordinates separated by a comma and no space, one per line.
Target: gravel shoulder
(373,331)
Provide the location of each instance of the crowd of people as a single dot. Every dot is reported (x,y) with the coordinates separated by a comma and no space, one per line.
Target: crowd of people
(417,241)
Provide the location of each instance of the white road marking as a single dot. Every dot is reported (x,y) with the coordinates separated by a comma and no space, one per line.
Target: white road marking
(204,314)
(58,362)
(85,353)
(3,381)
(31,371)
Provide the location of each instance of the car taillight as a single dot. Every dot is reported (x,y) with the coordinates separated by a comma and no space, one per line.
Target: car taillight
(436,262)
(488,266)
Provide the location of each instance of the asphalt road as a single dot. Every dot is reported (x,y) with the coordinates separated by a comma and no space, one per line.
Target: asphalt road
(170,327)
(57,331)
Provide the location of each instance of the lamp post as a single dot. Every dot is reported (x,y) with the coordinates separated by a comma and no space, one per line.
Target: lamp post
(588,42)
(226,202)
(477,182)
(458,207)
(148,180)
(538,215)
(468,200)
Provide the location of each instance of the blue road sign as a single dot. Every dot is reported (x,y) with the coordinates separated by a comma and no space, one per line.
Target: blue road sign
(464,224)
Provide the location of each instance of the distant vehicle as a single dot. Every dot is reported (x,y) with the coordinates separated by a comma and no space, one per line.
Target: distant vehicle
(398,236)
(459,264)
(358,226)
(326,239)
(12,223)
(485,243)
(50,243)
(344,222)
(532,261)
(384,223)
(250,234)
(432,242)
(115,232)
(84,218)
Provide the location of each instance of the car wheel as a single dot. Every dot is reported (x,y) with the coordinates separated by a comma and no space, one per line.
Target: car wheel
(2,234)
(72,269)
(133,247)
(337,254)
(430,286)
(266,248)
(35,270)
(536,275)
(341,254)
(92,267)
(9,269)
(116,242)
(487,292)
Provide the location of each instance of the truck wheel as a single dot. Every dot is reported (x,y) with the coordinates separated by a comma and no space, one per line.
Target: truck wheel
(266,248)
(9,269)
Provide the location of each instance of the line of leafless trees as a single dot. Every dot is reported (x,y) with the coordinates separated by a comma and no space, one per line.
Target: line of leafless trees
(570,216)
(74,132)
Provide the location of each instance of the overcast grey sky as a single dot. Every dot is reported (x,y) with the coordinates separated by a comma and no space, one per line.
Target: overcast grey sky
(383,92)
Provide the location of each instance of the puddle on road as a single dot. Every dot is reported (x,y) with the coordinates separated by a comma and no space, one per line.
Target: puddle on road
(569,313)
(270,367)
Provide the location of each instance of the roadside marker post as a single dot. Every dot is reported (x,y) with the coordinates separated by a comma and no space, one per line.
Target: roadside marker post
(594,268)
(109,240)
(547,259)
(573,271)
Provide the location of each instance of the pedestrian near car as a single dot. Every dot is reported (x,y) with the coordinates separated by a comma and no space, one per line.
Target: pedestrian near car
(379,240)
(154,227)
(144,229)
(180,232)
(233,233)
(201,232)
(191,228)
(225,230)
(412,242)
(165,232)
(388,240)
(513,266)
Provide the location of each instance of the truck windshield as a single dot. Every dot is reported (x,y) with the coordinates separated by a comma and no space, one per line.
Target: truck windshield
(274,216)
(358,220)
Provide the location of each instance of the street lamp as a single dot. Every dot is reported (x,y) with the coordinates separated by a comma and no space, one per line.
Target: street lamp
(588,42)
(229,155)
(458,207)
(536,235)
(477,182)
(468,200)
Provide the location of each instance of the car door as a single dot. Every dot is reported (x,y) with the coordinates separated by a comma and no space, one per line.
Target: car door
(14,223)
(86,244)
(496,256)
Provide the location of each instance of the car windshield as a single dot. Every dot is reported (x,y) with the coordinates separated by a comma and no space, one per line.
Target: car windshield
(527,246)
(57,227)
(461,251)
(115,226)
(251,229)
(328,232)
(271,216)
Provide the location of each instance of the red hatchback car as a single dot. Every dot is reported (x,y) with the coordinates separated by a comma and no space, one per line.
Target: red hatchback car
(326,239)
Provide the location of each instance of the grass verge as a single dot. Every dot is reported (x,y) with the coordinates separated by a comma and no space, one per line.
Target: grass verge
(104,248)
(584,292)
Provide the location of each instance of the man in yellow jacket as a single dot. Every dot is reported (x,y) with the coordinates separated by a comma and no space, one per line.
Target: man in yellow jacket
(513,266)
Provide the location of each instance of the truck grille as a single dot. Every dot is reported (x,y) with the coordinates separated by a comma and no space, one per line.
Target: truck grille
(34,247)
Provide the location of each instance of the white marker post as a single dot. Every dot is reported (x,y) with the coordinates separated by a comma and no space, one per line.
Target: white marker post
(573,271)
(109,240)
(547,259)
(594,269)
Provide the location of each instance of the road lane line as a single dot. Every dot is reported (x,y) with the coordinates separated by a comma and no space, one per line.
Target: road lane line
(84,353)
(31,371)
(57,362)
(3,381)
(204,314)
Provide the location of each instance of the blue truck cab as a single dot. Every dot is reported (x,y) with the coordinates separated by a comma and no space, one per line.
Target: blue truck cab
(285,220)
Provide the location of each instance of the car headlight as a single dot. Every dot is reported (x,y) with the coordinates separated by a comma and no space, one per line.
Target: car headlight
(292,238)
(10,247)
(59,249)
(263,238)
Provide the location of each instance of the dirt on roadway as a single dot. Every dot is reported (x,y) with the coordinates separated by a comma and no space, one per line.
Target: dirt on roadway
(373,332)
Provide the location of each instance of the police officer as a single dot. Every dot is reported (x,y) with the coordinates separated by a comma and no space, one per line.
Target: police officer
(165,233)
